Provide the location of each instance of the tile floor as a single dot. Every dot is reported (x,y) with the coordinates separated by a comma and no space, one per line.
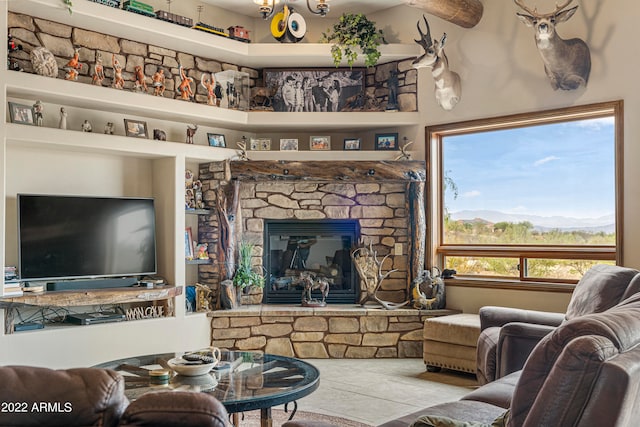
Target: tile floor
(374,391)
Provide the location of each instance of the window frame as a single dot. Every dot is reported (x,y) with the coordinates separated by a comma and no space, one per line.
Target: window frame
(436,250)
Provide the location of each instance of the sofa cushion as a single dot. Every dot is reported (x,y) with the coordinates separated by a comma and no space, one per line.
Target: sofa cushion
(435,421)
(486,355)
(498,392)
(601,287)
(462,410)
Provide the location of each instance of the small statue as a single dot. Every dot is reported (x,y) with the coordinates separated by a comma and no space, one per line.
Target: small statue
(159,135)
(201,251)
(63,118)
(191,131)
(209,85)
(98,71)
(86,126)
(73,66)
(428,293)
(184,88)
(392,85)
(44,63)
(140,79)
(218,93)
(108,128)
(118,81)
(12,46)
(38,110)
(158,80)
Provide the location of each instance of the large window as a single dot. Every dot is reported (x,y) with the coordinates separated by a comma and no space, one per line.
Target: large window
(529,197)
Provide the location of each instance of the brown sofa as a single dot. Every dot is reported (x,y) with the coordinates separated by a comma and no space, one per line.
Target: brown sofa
(83,397)
(586,373)
(508,335)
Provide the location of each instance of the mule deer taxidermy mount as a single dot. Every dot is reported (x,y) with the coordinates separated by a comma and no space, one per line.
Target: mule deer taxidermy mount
(566,62)
(447,83)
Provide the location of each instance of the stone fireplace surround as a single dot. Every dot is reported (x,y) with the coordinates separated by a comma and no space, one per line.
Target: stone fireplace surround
(387,199)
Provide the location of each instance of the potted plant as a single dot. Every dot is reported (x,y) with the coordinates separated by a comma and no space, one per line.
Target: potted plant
(351,35)
(246,276)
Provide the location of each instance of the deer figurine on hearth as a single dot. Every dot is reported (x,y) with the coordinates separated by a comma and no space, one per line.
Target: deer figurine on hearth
(448,88)
(566,62)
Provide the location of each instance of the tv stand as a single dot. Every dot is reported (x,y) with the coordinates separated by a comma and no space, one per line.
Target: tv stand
(70,285)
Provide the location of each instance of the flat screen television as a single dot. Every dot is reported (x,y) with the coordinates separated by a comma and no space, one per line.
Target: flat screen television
(77,237)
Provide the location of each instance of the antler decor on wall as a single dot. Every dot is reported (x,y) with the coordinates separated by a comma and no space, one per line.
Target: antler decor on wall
(465,13)
(567,63)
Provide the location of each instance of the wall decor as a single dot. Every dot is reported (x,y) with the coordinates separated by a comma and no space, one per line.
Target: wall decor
(21,114)
(188,243)
(290,144)
(320,143)
(136,128)
(352,143)
(386,141)
(260,144)
(316,89)
(216,140)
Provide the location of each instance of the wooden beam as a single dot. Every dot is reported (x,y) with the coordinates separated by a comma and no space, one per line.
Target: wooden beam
(465,13)
(364,171)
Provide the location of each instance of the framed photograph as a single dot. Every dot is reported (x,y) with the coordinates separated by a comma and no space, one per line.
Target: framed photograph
(316,89)
(260,144)
(188,243)
(320,143)
(352,144)
(216,140)
(386,141)
(21,114)
(289,144)
(136,128)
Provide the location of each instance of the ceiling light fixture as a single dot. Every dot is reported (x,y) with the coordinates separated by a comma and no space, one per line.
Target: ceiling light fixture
(322,8)
(266,7)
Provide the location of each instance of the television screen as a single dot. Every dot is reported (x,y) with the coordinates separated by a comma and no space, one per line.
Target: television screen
(67,237)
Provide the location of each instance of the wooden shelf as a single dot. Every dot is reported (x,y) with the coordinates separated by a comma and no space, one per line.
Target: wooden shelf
(198,211)
(93,296)
(197,261)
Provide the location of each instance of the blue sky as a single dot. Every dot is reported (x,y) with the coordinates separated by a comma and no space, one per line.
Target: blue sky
(564,169)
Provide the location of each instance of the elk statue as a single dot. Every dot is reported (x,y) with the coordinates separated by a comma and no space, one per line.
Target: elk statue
(566,62)
(447,83)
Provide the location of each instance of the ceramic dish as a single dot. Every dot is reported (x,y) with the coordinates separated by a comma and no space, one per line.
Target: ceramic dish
(189,369)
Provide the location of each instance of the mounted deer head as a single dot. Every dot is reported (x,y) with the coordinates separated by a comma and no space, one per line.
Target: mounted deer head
(566,62)
(448,89)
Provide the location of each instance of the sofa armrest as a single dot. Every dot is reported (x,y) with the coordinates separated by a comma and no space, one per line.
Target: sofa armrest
(516,343)
(491,316)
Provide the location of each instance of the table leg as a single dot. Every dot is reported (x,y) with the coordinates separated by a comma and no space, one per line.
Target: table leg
(265,417)
(235,419)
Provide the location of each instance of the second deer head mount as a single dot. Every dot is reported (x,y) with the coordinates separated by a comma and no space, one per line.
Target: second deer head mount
(448,88)
(567,63)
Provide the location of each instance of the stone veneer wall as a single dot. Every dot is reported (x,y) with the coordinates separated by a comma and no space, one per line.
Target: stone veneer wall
(61,39)
(380,208)
(320,333)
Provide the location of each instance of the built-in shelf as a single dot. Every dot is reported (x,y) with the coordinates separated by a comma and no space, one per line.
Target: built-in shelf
(198,261)
(198,211)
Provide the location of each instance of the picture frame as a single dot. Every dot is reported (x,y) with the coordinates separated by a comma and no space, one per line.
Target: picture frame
(322,89)
(136,128)
(260,144)
(386,141)
(319,143)
(216,140)
(21,114)
(289,144)
(188,243)
(352,144)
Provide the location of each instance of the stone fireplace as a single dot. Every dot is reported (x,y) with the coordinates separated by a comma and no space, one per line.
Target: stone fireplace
(378,203)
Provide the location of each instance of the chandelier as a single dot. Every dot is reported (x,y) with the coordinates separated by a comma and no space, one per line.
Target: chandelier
(267,7)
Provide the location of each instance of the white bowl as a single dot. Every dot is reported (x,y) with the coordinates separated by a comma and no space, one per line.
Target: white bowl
(189,369)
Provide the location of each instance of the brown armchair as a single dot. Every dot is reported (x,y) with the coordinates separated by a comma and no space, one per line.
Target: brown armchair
(507,335)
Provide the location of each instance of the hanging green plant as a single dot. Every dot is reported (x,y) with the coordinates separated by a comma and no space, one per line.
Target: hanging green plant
(351,35)
(245,273)
(69,5)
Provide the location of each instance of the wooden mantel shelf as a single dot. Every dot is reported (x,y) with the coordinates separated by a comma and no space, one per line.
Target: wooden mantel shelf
(93,296)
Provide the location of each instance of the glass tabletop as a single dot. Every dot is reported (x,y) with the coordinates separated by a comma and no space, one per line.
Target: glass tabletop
(242,381)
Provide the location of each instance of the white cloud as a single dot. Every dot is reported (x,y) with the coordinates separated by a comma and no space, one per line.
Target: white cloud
(545,160)
(472,193)
(518,209)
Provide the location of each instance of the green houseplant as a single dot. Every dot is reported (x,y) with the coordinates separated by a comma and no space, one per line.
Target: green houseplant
(352,34)
(245,275)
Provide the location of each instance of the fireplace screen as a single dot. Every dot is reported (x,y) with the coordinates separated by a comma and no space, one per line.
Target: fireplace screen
(320,248)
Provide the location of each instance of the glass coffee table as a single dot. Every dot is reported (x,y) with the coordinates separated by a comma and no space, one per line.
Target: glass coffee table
(242,381)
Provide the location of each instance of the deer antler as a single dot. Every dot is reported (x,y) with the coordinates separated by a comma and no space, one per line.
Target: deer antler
(522,6)
(559,8)
(426,41)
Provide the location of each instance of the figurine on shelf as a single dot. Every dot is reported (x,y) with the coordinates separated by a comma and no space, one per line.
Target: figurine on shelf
(209,85)
(218,93)
(98,71)
(12,46)
(118,81)
(73,66)
(43,62)
(158,82)
(109,128)
(38,110)
(201,251)
(185,90)
(63,118)
(159,135)
(191,131)
(140,80)
(86,126)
